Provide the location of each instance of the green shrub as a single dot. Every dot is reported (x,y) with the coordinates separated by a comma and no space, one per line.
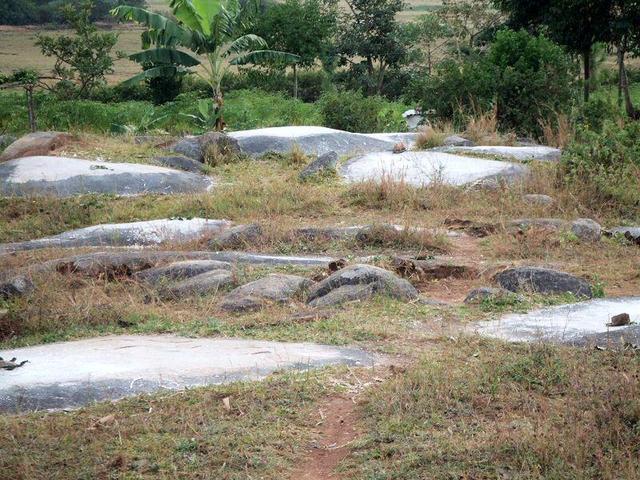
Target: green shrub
(594,113)
(353,112)
(535,80)
(607,165)
(457,90)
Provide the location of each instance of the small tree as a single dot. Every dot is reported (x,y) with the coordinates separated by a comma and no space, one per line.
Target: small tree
(28,80)
(370,39)
(432,32)
(83,59)
(302,27)
(215,29)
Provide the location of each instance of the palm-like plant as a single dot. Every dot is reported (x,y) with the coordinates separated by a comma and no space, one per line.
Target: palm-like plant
(211,29)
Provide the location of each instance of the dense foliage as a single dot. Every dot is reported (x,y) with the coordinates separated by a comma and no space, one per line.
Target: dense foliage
(35,12)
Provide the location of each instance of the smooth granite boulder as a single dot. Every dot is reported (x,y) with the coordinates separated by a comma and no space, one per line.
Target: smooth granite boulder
(311,140)
(207,283)
(240,236)
(196,147)
(538,199)
(38,143)
(274,288)
(180,270)
(64,177)
(180,162)
(521,154)
(420,169)
(482,294)
(134,234)
(457,141)
(542,280)
(385,282)
(585,229)
(324,164)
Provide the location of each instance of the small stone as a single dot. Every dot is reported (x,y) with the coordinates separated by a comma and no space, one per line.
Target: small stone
(274,288)
(538,199)
(240,236)
(457,141)
(326,163)
(620,320)
(399,148)
(587,230)
(16,287)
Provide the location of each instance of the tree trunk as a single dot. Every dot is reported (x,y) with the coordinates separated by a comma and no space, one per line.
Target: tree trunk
(371,88)
(586,58)
(33,125)
(218,111)
(429,58)
(620,74)
(624,86)
(295,81)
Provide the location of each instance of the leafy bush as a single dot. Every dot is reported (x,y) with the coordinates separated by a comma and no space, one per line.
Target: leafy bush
(535,80)
(353,112)
(457,90)
(594,113)
(607,165)
(528,78)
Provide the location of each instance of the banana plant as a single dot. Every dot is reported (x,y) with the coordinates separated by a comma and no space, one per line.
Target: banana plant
(210,34)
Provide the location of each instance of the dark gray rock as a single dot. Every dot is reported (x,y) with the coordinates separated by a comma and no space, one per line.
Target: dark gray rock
(587,230)
(542,280)
(63,177)
(180,162)
(538,199)
(240,236)
(38,143)
(487,293)
(324,164)
(385,283)
(311,140)
(196,147)
(151,232)
(207,283)
(457,141)
(274,288)
(180,270)
(16,287)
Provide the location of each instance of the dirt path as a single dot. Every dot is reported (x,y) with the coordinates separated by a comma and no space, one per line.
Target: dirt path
(336,430)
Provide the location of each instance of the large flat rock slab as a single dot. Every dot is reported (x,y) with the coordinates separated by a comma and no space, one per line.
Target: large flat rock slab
(72,374)
(573,324)
(63,177)
(537,152)
(312,141)
(423,168)
(152,232)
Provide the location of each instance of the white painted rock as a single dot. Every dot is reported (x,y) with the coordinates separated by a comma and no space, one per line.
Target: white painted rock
(71,374)
(62,177)
(152,232)
(563,324)
(537,152)
(422,168)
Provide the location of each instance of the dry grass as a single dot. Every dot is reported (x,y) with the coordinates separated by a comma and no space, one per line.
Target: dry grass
(188,435)
(478,409)
(482,129)
(430,137)
(557,132)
